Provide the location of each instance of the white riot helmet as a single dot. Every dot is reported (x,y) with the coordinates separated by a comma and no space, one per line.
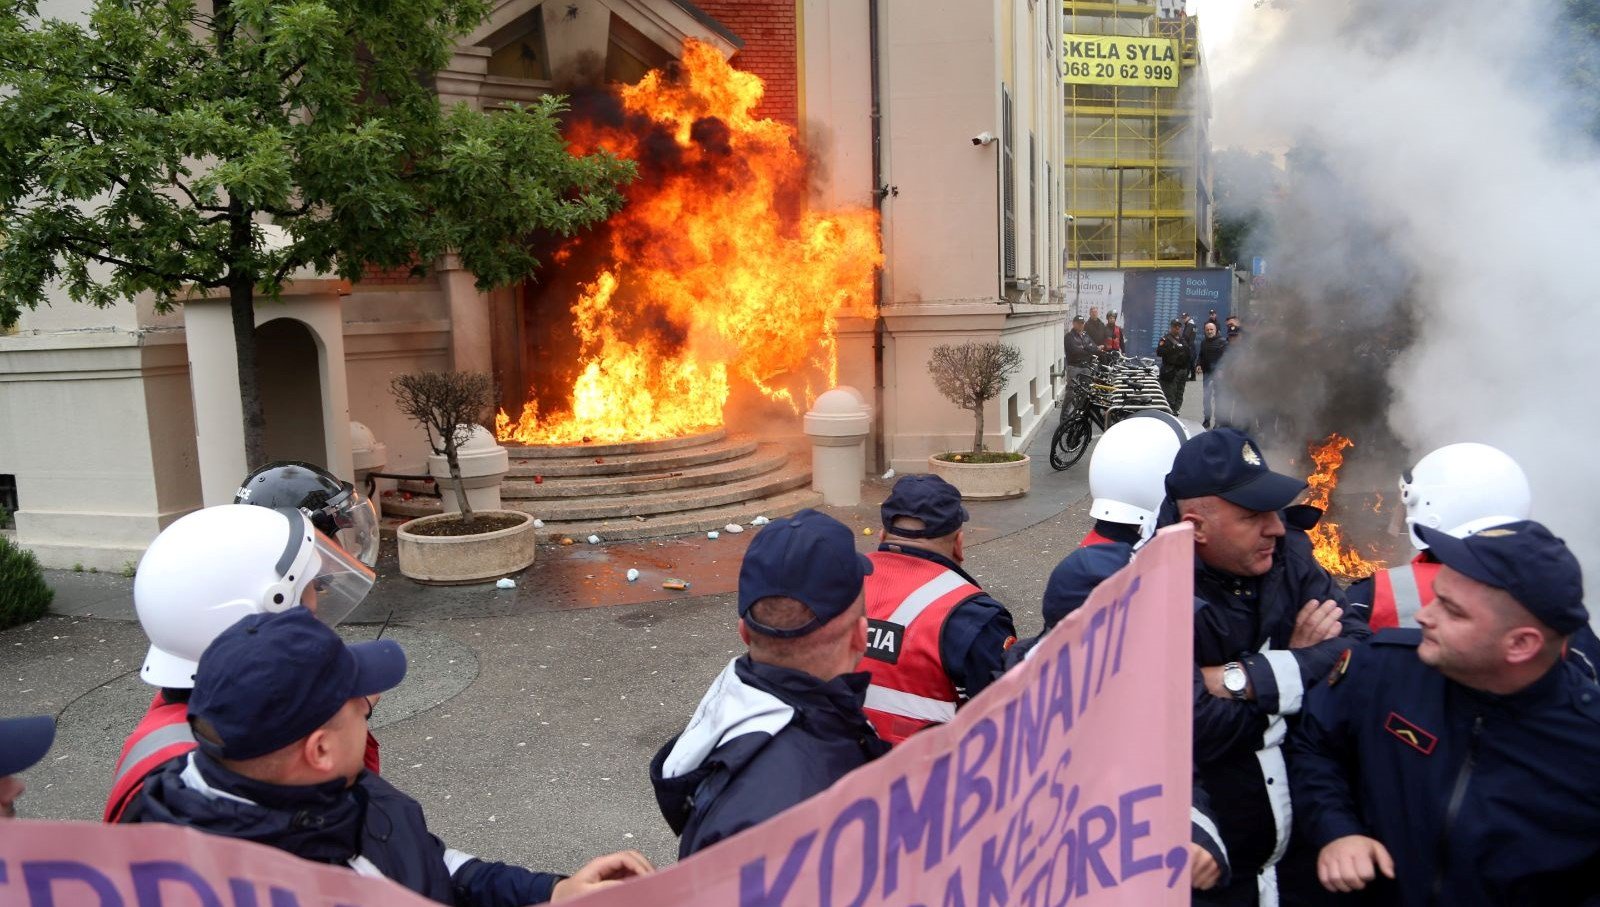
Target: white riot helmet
(215,566)
(1128,471)
(1462,488)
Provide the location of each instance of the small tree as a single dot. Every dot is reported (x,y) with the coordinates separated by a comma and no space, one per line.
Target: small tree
(24,595)
(447,405)
(972,374)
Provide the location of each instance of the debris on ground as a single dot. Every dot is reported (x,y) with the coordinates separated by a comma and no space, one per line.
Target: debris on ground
(760,521)
(677,584)
(594,539)
(889,474)
(733,528)
(713,535)
(506,582)
(565,540)
(633,574)
(538,524)
(866,530)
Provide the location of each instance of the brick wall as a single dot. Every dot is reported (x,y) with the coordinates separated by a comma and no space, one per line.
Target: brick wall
(769,29)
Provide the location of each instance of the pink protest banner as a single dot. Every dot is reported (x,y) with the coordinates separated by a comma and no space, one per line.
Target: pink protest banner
(1067,781)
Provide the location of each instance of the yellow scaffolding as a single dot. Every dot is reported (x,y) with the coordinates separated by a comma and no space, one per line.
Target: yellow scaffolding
(1137,167)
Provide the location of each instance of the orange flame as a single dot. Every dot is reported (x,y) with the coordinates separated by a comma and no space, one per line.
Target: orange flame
(746,292)
(1327,539)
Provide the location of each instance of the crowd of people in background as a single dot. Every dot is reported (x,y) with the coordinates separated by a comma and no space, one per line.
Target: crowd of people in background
(1429,737)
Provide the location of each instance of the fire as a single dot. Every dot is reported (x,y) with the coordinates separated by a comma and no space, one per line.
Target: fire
(1327,539)
(714,271)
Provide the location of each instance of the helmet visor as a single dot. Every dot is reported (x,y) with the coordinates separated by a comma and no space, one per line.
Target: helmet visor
(340,584)
(355,521)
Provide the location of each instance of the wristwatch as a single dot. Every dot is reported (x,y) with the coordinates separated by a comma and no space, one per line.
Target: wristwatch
(1235,680)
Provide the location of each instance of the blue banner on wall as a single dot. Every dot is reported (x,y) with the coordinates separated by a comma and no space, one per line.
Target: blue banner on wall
(1151,299)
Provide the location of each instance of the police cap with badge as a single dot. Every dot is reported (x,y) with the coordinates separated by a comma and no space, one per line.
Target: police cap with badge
(1526,560)
(1226,463)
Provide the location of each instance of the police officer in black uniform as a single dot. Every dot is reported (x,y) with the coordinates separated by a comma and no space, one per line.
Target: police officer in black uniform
(1459,763)
(1269,623)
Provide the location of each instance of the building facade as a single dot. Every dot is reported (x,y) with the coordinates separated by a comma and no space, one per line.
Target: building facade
(943,114)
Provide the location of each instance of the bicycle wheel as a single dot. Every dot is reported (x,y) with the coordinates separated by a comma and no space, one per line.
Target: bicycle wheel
(1070,443)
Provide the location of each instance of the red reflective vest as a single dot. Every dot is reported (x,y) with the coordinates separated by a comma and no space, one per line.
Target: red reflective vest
(1400,592)
(908,600)
(163,734)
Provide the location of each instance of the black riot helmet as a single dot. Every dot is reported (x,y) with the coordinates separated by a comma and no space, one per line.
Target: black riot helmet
(335,506)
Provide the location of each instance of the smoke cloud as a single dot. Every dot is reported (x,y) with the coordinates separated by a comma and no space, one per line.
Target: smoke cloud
(1432,243)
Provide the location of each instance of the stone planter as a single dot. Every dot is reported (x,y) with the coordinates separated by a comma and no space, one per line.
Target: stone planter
(453,559)
(985,481)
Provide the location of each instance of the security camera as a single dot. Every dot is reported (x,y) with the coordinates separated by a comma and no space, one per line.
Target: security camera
(983,138)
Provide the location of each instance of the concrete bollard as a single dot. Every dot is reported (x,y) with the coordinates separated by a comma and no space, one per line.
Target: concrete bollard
(483,464)
(367,455)
(838,424)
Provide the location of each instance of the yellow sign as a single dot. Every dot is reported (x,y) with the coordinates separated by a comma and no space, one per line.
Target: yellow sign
(1119,60)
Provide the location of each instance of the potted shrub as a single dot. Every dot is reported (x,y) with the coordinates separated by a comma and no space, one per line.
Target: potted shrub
(470,546)
(970,375)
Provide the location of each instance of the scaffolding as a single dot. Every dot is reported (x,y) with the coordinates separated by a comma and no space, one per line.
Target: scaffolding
(1138,158)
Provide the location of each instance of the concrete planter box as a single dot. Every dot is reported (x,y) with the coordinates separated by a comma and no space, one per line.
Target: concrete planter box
(985,481)
(453,559)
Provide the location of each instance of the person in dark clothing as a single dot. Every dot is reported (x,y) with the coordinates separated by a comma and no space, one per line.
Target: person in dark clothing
(784,721)
(1190,340)
(1212,349)
(279,712)
(1080,350)
(1269,623)
(938,638)
(1459,763)
(1174,355)
(1234,330)
(1211,319)
(1095,328)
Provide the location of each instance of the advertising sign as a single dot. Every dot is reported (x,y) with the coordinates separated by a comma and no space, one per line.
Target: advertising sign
(1151,299)
(1121,60)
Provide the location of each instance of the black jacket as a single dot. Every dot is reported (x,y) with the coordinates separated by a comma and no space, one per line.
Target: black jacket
(1174,355)
(336,824)
(1237,744)
(1080,349)
(1096,329)
(762,739)
(1481,799)
(1211,351)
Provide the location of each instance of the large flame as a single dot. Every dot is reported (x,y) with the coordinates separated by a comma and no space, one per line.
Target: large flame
(715,272)
(1327,539)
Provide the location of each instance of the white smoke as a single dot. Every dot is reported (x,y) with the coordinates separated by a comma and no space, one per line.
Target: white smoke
(1449,124)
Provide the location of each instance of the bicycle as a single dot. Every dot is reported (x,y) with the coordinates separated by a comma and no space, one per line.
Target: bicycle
(1112,392)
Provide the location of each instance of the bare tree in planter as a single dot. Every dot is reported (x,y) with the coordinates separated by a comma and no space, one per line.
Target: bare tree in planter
(972,374)
(447,405)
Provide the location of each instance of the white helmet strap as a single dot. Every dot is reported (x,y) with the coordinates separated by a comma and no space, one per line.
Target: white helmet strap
(293,564)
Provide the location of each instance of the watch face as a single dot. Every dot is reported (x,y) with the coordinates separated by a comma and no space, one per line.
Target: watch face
(1233,680)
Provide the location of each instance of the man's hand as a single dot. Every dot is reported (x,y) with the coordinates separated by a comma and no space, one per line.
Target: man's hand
(1316,622)
(1203,869)
(602,872)
(1350,862)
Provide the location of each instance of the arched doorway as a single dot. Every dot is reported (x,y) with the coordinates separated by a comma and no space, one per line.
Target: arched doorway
(289,373)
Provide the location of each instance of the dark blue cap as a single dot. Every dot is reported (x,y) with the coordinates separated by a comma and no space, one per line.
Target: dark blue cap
(928,498)
(24,741)
(272,679)
(1526,560)
(1078,574)
(809,557)
(1226,463)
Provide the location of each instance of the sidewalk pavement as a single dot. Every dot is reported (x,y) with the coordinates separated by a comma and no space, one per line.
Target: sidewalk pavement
(529,716)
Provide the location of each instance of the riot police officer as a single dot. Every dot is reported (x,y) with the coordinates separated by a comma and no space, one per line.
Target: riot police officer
(1459,763)
(1127,476)
(337,509)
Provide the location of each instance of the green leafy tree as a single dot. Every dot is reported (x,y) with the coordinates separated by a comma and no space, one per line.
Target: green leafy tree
(1244,186)
(144,151)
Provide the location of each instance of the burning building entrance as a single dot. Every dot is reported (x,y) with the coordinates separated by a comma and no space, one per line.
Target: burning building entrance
(714,280)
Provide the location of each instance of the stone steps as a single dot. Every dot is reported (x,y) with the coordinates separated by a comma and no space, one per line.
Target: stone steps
(642,489)
(761,459)
(589,463)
